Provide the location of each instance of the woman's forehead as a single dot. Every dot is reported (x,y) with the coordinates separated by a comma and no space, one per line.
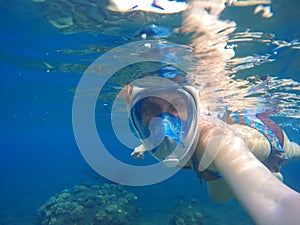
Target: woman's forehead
(165,97)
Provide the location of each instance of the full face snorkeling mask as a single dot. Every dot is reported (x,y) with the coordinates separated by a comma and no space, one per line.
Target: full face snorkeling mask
(165,120)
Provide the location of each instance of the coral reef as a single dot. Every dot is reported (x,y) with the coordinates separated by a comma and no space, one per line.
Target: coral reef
(187,213)
(88,204)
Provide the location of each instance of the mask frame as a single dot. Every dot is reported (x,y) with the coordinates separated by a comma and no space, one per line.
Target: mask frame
(159,138)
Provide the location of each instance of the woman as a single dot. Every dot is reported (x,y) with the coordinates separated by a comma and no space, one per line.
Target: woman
(239,153)
(235,158)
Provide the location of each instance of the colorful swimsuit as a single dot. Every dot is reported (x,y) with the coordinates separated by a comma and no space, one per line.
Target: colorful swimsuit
(263,124)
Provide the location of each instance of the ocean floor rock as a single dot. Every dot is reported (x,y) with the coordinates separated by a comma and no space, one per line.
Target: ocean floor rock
(187,213)
(85,204)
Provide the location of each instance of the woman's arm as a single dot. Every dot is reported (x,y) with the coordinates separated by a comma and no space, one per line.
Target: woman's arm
(262,195)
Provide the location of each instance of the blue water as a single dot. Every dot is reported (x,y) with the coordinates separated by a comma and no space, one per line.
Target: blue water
(39,155)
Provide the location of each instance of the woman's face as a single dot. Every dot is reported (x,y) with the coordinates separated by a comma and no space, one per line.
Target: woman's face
(170,103)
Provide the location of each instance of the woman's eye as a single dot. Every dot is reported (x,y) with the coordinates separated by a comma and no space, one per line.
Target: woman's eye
(152,109)
(178,106)
(173,108)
